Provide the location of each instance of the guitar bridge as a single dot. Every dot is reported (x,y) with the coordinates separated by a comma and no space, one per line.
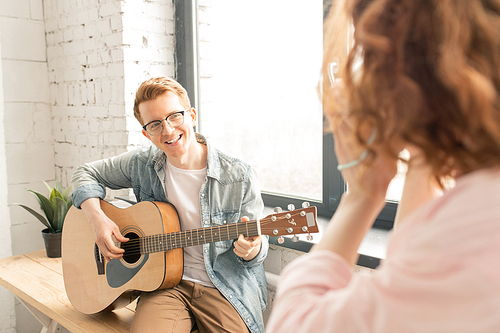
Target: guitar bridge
(99,260)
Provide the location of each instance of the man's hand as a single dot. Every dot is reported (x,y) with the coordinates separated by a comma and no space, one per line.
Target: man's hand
(104,229)
(247,247)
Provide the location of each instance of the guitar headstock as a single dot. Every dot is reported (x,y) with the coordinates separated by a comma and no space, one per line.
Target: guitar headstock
(293,222)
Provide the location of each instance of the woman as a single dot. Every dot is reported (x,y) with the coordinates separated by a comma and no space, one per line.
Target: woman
(422,75)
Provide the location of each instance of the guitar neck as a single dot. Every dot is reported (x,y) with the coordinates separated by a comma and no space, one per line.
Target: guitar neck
(174,240)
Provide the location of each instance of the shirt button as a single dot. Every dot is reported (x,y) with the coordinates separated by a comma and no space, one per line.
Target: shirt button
(202,195)
(231,296)
(212,276)
(205,251)
(248,320)
(224,222)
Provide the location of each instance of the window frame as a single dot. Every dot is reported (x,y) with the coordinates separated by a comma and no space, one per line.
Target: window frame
(186,59)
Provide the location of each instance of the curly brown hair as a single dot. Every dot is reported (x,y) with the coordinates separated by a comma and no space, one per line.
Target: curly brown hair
(154,87)
(429,75)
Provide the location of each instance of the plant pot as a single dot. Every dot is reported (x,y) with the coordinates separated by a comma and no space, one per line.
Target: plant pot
(52,243)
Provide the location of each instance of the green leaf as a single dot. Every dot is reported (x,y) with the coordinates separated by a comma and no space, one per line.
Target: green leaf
(60,211)
(66,193)
(45,205)
(60,191)
(59,186)
(69,203)
(47,185)
(55,194)
(38,216)
(54,206)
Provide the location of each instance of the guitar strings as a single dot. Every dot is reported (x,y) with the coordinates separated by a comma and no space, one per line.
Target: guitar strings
(263,222)
(180,236)
(160,242)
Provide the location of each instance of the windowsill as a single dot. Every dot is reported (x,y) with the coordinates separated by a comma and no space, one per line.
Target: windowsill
(371,251)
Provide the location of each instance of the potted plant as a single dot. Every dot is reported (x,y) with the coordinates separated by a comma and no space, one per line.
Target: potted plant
(54,206)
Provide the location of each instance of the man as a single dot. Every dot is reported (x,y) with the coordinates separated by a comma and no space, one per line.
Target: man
(223,288)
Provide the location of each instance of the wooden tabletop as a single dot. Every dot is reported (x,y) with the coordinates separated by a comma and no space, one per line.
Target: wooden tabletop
(38,281)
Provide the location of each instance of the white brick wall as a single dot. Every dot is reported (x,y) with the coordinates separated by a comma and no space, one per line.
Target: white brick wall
(26,140)
(70,71)
(7,313)
(98,52)
(28,134)
(81,70)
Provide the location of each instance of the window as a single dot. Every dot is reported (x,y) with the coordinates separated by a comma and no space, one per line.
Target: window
(253,75)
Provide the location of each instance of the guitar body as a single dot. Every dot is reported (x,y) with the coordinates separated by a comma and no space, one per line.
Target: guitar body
(93,285)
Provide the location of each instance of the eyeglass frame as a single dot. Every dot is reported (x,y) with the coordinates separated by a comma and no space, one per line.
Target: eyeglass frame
(166,119)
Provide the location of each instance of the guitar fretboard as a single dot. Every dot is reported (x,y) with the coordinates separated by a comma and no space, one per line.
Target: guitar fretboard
(174,240)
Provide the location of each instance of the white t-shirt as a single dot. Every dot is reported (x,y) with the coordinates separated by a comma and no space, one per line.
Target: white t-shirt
(183,191)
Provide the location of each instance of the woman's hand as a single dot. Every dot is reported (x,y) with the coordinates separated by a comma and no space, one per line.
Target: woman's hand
(371,179)
(366,177)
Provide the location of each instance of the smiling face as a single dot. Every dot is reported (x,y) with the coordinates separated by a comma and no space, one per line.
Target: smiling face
(179,144)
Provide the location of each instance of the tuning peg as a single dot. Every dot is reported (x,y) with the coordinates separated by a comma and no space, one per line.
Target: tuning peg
(295,239)
(309,237)
(281,240)
(277,209)
(306,204)
(291,207)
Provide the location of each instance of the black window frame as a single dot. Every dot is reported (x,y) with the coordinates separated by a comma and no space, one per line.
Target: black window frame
(333,184)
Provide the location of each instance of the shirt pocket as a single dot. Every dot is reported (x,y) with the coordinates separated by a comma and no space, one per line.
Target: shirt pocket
(143,194)
(225,222)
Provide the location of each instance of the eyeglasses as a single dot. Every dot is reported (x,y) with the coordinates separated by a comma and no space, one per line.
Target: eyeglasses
(173,120)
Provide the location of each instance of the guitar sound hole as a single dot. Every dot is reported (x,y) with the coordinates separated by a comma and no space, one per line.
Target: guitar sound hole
(132,249)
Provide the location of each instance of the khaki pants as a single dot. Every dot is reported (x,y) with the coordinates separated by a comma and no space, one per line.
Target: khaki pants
(177,310)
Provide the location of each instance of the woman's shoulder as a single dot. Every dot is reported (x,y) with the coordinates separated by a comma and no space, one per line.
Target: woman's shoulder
(460,224)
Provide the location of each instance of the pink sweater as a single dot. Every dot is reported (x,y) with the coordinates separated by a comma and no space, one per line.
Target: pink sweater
(441,274)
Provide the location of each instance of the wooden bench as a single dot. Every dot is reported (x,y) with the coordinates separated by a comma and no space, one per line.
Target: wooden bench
(37,281)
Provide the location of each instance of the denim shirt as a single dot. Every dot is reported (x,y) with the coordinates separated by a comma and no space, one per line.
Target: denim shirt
(229,192)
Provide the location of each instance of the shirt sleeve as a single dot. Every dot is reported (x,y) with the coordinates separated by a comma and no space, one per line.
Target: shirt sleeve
(318,293)
(253,206)
(304,296)
(91,179)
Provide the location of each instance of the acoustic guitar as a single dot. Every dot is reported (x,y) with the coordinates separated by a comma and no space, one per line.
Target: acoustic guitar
(153,257)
